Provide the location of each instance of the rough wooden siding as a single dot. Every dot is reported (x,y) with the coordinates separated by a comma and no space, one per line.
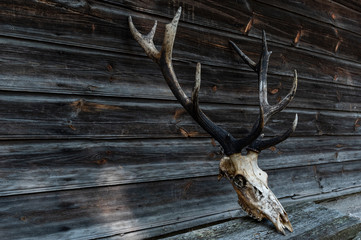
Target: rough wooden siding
(322,223)
(93,144)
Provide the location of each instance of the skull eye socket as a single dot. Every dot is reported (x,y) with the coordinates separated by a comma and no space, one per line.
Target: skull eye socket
(258,193)
(240,181)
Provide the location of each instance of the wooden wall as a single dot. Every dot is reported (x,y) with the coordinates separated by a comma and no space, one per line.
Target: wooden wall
(94,145)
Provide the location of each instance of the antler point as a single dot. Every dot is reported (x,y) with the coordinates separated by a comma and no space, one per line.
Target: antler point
(295,73)
(294,125)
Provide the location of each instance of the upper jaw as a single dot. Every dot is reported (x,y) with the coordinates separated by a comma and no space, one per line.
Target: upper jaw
(268,207)
(254,195)
(278,216)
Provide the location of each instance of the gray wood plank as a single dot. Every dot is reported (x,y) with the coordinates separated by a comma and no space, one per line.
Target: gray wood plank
(99,148)
(329,12)
(348,204)
(310,221)
(99,212)
(352,4)
(187,47)
(55,73)
(282,22)
(30,167)
(107,74)
(32,116)
(119,210)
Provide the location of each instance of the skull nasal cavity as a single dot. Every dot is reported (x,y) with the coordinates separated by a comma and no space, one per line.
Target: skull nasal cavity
(258,193)
(240,181)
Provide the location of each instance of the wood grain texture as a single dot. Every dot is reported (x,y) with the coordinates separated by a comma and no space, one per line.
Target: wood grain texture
(32,116)
(99,212)
(60,165)
(348,204)
(94,145)
(329,12)
(275,18)
(111,210)
(322,223)
(352,4)
(61,70)
(192,43)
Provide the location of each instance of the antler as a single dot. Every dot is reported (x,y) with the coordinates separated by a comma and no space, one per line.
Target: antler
(261,69)
(164,59)
(249,181)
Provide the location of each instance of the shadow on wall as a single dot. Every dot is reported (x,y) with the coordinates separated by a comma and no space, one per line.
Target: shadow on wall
(104,188)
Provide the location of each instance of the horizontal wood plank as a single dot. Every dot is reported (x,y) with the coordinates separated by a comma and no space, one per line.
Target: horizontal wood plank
(63,70)
(329,12)
(107,211)
(309,221)
(30,116)
(282,23)
(93,144)
(348,204)
(59,165)
(192,44)
(352,4)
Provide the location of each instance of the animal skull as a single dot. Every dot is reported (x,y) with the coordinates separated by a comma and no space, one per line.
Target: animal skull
(249,181)
(251,185)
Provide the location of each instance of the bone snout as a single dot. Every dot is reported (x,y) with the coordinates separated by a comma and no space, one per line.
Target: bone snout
(254,195)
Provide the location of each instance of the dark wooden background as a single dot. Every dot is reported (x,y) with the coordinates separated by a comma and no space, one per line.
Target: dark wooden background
(94,145)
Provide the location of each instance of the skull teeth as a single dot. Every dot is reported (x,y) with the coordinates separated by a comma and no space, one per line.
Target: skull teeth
(249,211)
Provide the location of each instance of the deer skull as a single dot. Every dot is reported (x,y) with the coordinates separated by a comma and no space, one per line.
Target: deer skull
(249,181)
(251,186)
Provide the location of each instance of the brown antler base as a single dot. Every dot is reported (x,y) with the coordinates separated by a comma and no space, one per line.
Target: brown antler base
(251,186)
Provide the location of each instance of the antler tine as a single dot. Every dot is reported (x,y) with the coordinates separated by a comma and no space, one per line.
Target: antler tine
(164,59)
(270,110)
(169,36)
(196,87)
(146,42)
(259,145)
(245,58)
(266,110)
(262,75)
(288,98)
(261,68)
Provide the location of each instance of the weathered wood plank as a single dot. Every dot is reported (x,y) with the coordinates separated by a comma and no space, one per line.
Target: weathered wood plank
(30,116)
(341,72)
(302,32)
(39,167)
(352,4)
(347,175)
(82,51)
(106,74)
(310,221)
(348,204)
(252,17)
(194,44)
(108,211)
(329,12)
